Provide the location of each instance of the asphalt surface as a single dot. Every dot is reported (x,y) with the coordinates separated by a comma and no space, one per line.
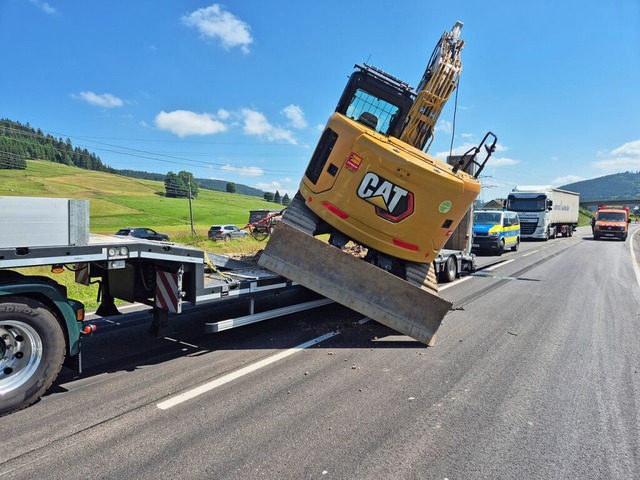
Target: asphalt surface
(534,374)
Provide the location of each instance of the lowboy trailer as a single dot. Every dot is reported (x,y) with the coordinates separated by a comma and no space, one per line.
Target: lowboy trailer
(41,328)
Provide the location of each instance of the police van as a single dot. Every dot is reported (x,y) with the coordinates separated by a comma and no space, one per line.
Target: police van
(495,230)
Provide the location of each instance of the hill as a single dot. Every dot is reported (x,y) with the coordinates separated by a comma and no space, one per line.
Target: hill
(19,143)
(617,186)
(117,201)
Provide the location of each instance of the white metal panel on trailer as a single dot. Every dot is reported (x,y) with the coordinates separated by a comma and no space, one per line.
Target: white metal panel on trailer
(39,221)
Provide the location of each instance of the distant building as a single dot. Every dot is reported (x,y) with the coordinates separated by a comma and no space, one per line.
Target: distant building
(495,204)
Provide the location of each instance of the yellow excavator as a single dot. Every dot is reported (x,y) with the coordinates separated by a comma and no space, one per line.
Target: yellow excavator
(371,183)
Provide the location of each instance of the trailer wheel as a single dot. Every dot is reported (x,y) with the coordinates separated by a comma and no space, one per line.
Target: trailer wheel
(32,349)
(450,270)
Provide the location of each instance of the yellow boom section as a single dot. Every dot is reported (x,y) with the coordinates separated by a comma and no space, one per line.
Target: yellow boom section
(438,82)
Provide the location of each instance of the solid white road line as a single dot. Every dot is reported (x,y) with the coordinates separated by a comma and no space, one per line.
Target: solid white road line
(499,265)
(633,256)
(456,282)
(188,395)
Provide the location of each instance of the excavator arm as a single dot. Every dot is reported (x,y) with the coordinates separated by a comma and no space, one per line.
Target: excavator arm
(438,83)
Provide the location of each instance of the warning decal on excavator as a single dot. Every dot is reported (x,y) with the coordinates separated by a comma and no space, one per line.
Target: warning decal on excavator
(392,202)
(354,161)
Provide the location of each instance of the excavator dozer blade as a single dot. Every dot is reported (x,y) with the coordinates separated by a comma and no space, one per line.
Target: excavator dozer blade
(354,283)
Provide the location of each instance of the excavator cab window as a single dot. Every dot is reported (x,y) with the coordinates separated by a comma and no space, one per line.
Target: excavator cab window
(371,95)
(372,111)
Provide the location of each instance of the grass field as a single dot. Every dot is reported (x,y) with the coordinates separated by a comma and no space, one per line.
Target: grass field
(116,202)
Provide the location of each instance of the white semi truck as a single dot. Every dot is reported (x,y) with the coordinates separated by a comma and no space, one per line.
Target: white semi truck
(545,212)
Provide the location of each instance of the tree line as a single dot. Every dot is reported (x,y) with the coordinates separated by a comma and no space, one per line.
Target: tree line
(19,143)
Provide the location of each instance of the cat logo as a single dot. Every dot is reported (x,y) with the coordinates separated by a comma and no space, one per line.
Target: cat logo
(392,202)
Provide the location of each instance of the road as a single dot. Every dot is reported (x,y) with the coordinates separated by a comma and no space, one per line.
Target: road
(534,374)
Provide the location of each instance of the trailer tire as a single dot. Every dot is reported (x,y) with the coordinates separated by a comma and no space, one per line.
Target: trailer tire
(32,349)
(449,270)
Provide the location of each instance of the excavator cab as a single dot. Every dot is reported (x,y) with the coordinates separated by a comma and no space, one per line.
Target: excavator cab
(369,183)
(371,187)
(377,100)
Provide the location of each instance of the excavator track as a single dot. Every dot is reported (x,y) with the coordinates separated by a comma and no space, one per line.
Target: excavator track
(411,307)
(422,275)
(300,217)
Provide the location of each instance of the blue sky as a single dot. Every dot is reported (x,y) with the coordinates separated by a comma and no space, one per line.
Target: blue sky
(241,90)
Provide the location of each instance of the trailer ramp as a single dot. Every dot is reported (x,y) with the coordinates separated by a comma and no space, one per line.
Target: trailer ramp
(354,283)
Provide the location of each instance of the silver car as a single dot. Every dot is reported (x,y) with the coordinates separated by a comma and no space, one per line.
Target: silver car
(225,232)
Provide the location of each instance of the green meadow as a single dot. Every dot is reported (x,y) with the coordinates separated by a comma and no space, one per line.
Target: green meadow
(116,201)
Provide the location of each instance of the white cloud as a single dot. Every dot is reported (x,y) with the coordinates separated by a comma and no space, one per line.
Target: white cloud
(223,114)
(566,179)
(183,123)
(44,6)
(244,171)
(255,123)
(214,23)
(105,100)
(626,157)
(295,115)
(501,161)
(444,126)
(282,189)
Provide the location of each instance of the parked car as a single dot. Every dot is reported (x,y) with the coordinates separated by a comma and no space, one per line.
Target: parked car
(225,232)
(144,233)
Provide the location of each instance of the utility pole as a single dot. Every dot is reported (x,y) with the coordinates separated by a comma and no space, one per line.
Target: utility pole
(193,232)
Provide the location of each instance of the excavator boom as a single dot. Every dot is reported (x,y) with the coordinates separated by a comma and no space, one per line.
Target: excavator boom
(438,83)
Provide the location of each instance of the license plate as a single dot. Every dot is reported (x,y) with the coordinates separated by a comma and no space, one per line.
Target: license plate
(475,245)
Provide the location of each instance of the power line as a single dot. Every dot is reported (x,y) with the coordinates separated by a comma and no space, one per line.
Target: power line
(136,153)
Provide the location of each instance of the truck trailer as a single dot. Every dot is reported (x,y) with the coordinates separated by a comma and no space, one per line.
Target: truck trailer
(456,256)
(41,328)
(545,212)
